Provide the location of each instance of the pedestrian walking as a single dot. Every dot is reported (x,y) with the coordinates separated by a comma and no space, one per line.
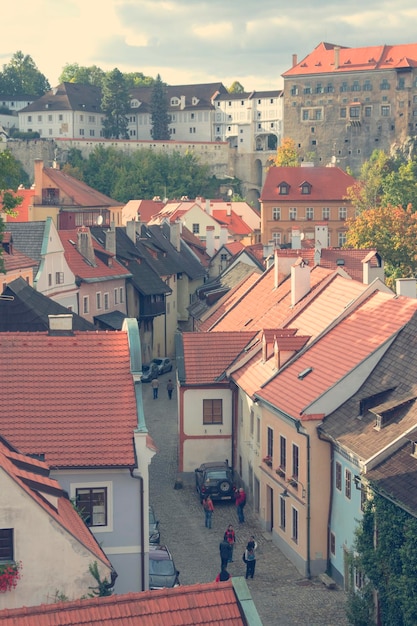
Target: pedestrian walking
(249,558)
(240,504)
(222,576)
(155,387)
(170,388)
(208,510)
(225,553)
(230,537)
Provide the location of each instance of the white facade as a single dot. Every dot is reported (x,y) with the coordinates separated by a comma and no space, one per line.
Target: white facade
(65,123)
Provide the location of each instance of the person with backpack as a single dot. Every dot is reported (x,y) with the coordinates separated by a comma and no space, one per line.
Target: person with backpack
(208,511)
(225,553)
(249,558)
(240,504)
(230,537)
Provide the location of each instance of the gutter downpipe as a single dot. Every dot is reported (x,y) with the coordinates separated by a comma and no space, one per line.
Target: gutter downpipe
(134,473)
(323,437)
(300,432)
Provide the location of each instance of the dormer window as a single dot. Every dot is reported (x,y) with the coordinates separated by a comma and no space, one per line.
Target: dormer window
(175,102)
(195,101)
(134,104)
(305,188)
(284,189)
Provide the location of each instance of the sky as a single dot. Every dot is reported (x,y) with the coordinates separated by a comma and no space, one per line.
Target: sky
(196,41)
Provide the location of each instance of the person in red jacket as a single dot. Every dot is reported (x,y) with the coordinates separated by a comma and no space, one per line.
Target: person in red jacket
(240,504)
(230,537)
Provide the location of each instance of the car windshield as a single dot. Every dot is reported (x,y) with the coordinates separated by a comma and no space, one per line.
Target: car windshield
(158,361)
(216,475)
(163,567)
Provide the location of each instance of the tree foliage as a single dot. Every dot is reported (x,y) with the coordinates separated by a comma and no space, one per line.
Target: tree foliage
(21,77)
(137,79)
(389,565)
(368,191)
(236,87)
(11,176)
(287,154)
(159,111)
(104,587)
(74,73)
(115,105)
(143,174)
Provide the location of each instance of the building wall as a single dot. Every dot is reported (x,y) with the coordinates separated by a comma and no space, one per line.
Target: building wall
(198,442)
(121,538)
(347,116)
(90,291)
(53,561)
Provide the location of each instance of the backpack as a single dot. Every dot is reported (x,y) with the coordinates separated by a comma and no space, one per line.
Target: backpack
(244,557)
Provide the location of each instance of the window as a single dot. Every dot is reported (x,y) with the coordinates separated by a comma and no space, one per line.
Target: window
(60,117)
(354,112)
(367,86)
(283,189)
(6,544)
(305,114)
(344,87)
(348,484)
(317,114)
(384,84)
(258,430)
(356,86)
(213,411)
(282,453)
(39,118)
(309,213)
(401,83)
(368,111)
(59,278)
(338,476)
(385,110)
(49,280)
(326,213)
(295,460)
(341,239)
(282,513)
(81,131)
(251,422)
(342,213)
(92,504)
(293,213)
(92,132)
(121,295)
(276,213)
(332,543)
(276,238)
(85,305)
(29,118)
(343,112)
(305,189)
(98,300)
(307,89)
(49,118)
(270,442)
(196,229)
(81,118)
(106,302)
(116,296)
(294,526)
(294,90)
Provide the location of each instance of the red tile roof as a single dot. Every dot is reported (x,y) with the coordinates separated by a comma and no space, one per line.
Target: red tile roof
(80,193)
(81,267)
(327,184)
(235,224)
(23,208)
(32,476)
(210,604)
(16,260)
(208,355)
(146,209)
(338,352)
(70,398)
(322,59)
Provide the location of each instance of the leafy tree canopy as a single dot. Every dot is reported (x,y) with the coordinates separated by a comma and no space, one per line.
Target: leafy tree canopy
(115,104)
(159,111)
(393,232)
(143,174)
(74,73)
(21,77)
(11,176)
(368,191)
(137,79)
(287,154)
(236,87)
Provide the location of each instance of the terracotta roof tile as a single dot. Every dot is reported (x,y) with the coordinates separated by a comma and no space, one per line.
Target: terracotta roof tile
(71,397)
(210,604)
(327,184)
(235,224)
(79,192)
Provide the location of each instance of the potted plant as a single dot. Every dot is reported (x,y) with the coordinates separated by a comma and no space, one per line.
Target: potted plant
(268,460)
(9,576)
(293,482)
(281,472)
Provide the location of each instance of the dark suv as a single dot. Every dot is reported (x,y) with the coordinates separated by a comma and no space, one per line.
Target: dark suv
(216,480)
(162,570)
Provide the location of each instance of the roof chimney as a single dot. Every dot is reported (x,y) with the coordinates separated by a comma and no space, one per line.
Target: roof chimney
(321,235)
(60,324)
(406,287)
(336,57)
(85,245)
(294,60)
(300,281)
(210,240)
(110,239)
(295,239)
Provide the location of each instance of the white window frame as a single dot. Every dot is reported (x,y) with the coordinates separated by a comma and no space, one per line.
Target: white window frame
(276,213)
(106,301)
(102,484)
(98,301)
(86,305)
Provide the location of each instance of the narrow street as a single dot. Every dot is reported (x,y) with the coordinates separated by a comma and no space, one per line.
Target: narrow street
(281,595)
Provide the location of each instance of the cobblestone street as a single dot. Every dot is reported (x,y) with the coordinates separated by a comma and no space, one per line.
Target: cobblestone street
(281,595)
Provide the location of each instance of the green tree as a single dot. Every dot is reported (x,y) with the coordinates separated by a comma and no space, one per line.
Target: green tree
(21,76)
(287,154)
(137,79)
(400,186)
(236,87)
(74,73)
(159,111)
(115,105)
(393,232)
(10,179)
(368,191)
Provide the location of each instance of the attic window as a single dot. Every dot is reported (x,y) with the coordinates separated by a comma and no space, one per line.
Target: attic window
(134,104)
(306,188)
(284,189)
(374,400)
(305,373)
(340,262)
(175,102)
(389,410)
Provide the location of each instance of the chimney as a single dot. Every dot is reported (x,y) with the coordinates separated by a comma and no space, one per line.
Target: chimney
(85,245)
(38,169)
(209,208)
(300,281)
(276,273)
(210,240)
(60,324)
(376,270)
(229,209)
(336,57)
(320,241)
(132,228)
(175,234)
(295,239)
(406,287)
(224,235)
(110,239)
(294,60)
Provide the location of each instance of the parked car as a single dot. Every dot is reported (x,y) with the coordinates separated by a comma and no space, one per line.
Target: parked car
(154,534)
(149,372)
(215,479)
(162,570)
(164,365)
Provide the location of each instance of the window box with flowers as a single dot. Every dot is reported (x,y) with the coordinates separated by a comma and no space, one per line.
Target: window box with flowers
(267,460)
(9,576)
(293,482)
(281,472)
